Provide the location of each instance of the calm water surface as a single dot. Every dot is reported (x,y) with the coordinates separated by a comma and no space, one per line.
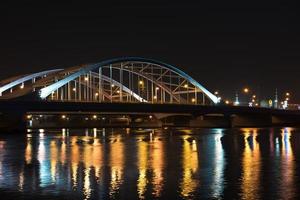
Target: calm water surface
(119,164)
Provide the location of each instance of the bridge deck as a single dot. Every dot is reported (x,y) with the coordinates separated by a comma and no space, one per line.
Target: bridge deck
(45,106)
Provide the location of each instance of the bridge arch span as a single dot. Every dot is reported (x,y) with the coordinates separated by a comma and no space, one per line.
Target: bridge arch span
(125,79)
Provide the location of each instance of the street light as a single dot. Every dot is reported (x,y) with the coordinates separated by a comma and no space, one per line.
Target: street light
(286,102)
(246,90)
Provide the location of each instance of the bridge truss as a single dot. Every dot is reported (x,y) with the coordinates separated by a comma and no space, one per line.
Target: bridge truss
(128,80)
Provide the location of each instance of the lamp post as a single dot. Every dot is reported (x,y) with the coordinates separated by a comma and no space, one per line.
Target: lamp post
(187,92)
(236,102)
(286,101)
(246,92)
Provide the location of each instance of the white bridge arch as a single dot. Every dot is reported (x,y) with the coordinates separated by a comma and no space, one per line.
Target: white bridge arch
(126,79)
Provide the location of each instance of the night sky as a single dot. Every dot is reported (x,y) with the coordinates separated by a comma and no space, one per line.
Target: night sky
(223,46)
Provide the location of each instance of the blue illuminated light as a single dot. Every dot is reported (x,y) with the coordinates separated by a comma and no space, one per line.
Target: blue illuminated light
(45,92)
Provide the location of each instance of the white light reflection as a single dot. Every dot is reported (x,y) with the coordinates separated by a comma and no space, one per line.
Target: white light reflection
(63,131)
(287,166)
(219,164)
(95,132)
(44,169)
(87,190)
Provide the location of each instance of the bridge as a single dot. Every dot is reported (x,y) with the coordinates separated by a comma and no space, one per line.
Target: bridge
(127,91)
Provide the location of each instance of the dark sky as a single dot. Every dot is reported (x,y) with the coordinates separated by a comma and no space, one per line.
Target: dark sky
(223,45)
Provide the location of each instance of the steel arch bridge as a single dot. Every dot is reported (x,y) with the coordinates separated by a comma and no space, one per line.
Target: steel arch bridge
(125,79)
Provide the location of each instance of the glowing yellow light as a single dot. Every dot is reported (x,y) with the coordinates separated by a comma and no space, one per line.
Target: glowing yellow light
(157,88)
(254,96)
(94,116)
(22,86)
(154,97)
(227,102)
(216,92)
(246,90)
(63,116)
(141,82)
(287,94)
(253,100)
(193,100)
(74,89)
(256,104)
(118,91)
(287,99)
(96,94)
(112,85)
(150,116)
(28,116)
(186,85)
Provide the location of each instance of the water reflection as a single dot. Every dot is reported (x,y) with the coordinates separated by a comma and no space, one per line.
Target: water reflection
(219,164)
(190,164)
(198,164)
(157,165)
(2,160)
(142,167)
(251,163)
(28,151)
(287,165)
(116,164)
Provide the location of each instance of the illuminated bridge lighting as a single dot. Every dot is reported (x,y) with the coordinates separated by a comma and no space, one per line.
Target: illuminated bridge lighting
(127,79)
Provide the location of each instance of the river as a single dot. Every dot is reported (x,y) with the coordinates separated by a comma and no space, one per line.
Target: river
(247,163)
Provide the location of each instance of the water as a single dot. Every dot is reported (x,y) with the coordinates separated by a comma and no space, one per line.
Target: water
(186,164)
